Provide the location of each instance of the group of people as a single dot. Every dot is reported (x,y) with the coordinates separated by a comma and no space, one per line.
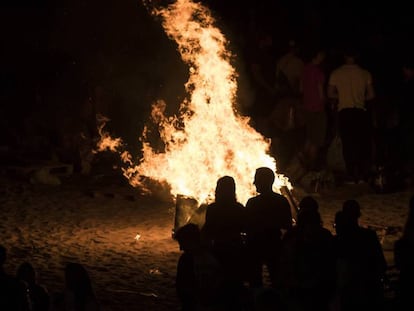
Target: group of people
(22,291)
(299,91)
(258,257)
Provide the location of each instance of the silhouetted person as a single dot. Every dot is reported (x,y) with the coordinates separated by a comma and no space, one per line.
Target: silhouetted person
(222,231)
(352,86)
(199,273)
(405,100)
(37,296)
(12,294)
(314,106)
(290,65)
(267,214)
(361,264)
(308,263)
(78,294)
(404,261)
(261,65)
(308,202)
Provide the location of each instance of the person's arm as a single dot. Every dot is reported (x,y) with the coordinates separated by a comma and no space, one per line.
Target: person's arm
(287,221)
(332,92)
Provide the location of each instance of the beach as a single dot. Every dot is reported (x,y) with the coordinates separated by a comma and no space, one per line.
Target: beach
(124,237)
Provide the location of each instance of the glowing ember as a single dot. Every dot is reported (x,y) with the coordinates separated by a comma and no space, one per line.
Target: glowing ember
(208,138)
(137,237)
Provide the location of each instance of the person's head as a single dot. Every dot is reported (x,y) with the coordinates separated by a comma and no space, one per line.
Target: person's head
(3,255)
(263,179)
(351,55)
(308,202)
(319,57)
(315,55)
(225,190)
(77,280)
(26,273)
(293,47)
(352,211)
(265,39)
(188,237)
(308,217)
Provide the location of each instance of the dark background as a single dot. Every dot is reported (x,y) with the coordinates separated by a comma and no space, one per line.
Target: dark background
(55,53)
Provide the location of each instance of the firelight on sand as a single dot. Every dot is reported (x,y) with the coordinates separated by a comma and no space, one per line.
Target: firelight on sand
(207,138)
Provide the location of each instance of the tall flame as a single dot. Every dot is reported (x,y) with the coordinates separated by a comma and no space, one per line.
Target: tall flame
(208,138)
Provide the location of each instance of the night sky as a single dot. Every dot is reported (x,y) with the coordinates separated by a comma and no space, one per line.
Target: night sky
(53,54)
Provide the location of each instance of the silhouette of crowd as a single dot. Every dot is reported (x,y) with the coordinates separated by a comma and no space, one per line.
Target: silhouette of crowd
(258,257)
(22,291)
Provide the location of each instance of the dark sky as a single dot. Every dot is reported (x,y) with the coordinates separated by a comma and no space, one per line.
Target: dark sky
(54,52)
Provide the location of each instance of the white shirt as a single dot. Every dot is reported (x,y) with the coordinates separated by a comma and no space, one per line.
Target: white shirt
(351,83)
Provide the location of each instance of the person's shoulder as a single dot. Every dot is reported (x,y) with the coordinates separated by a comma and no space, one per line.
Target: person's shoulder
(338,70)
(185,259)
(279,197)
(212,207)
(252,200)
(335,73)
(368,233)
(239,205)
(326,233)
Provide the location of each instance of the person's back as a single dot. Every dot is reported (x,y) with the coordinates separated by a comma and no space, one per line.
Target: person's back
(223,229)
(12,295)
(361,264)
(199,273)
(404,262)
(291,66)
(78,294)
(308,262)
(267,214)
(352,87)
(351,82)
(224,217)
(37,295)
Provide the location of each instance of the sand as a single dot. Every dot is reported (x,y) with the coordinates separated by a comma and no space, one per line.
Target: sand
(95,221)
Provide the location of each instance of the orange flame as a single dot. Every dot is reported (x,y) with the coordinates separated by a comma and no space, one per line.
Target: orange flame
(208,139)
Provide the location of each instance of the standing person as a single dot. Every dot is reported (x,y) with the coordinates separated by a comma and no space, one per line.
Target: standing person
(308,262)
(222,231)
(290,66)
(314,101)
(360,262)
(352,86)
(404,261)
(406,115)
(12,292)
(267,214)
(261,66)
(38,297)
(78,294)
(199,274)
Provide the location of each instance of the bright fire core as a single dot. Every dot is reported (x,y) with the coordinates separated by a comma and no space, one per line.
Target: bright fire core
(207,139)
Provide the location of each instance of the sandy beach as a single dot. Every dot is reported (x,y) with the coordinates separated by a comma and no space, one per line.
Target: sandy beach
(123,237)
